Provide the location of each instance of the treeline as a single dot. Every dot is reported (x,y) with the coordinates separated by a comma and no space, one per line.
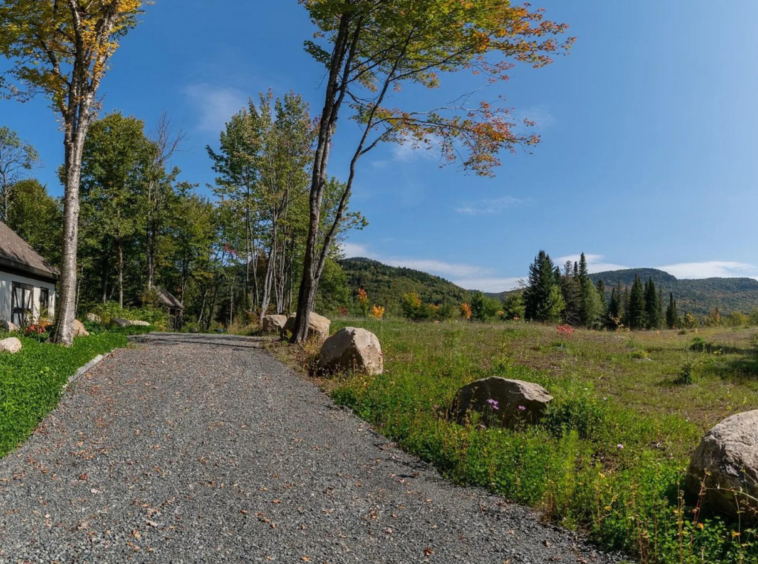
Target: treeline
(229,256)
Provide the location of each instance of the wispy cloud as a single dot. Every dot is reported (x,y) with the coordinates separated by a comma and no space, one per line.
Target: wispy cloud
(491,206)
(215,105)
(711,269)
(433,266)
(494,285)
(595,263)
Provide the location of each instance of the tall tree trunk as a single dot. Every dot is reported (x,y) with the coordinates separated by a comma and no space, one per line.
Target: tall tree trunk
(213,305)
(202,306)
(120,275)
(270,268)
(104,279)
(339,69)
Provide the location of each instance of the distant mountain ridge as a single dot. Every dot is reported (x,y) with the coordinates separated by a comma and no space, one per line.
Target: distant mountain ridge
(386,286)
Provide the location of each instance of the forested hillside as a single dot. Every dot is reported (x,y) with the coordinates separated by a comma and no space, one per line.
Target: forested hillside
(386,285)
(698,297)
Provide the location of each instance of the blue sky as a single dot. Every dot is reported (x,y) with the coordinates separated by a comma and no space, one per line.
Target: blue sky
(648,155)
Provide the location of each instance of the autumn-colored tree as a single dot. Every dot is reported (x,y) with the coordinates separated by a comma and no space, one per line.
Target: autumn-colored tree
(466,311)
(61,48)
(377,312)
(363,301)
(371,49)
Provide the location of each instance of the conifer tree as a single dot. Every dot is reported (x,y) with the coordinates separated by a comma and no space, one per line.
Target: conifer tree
(636,312)
(614,307)
(572,295)
(590,306)
(542,296)
(603,299)
(672,317)
(661,315)
(625,299)
(651,305)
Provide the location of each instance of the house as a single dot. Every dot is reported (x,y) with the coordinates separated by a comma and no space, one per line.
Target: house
(169,303)
(27,281)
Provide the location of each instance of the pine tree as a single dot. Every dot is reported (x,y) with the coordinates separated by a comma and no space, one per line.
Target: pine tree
(590,305)
(672,317)
(603,298)
(625,306)
(636,312)
(651,305)
(572,295)
(614,307)
(542,297)
(661,315)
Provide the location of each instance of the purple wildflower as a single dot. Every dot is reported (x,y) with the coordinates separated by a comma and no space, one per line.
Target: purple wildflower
(521,408)
(494,404)
(620,446)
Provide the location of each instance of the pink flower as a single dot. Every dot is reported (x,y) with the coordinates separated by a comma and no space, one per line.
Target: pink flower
(521,408)
(620,446)
(494,404)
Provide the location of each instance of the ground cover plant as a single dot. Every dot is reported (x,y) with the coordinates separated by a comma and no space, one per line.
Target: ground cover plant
(611,454)
(31,380)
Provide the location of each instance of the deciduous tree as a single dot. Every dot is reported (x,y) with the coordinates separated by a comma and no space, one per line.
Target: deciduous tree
(16,158)
(62,48)
(372,48)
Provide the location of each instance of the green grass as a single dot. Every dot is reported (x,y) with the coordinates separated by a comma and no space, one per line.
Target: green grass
(32,379)
(610,455)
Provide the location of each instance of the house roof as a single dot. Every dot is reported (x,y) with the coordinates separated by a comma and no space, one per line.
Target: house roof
(16,254)
(168,300)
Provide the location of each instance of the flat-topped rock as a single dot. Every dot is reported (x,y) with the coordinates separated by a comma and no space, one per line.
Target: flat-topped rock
(352,348)
(501,402)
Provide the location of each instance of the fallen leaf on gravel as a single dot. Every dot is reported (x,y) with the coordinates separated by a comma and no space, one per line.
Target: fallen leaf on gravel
(136,535)
(305,559)
(152,524)
(428,551)
(276,501)
(243,511)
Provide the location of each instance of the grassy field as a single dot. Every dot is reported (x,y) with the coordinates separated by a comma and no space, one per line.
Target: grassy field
(32,379)
(610,455)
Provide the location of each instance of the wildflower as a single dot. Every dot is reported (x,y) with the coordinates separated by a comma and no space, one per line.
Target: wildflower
(521,408)
(620,446)
(494,404)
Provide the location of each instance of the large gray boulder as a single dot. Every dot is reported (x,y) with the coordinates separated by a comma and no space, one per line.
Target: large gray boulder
(11,345)
(318,326)
(726,462)
(501,402)
(273,323)
(352,348)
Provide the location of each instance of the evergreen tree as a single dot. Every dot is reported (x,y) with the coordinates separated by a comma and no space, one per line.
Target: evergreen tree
(651,305)
(625,300)
(614,307)
(603,299)
(661,315)
(572,295)
(542,296)
(672,317)
(636,312)
(590,304)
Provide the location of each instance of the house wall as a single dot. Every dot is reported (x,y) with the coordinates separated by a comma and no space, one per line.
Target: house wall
(6,293)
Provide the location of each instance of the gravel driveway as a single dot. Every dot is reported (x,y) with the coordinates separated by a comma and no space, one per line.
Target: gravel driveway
(206,449)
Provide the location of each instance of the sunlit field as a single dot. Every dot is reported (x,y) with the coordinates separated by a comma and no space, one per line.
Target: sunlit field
(609,457)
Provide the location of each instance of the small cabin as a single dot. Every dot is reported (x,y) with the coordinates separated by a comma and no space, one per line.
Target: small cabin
(27,281)
(169,303)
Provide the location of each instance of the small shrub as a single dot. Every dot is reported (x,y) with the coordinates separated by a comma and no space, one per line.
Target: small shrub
(640,354)
(686,375)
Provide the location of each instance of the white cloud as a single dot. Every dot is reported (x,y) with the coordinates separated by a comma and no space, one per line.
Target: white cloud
(494,285)
(215,105)
(595,263)
(492,206)
(439,267)
(710,269)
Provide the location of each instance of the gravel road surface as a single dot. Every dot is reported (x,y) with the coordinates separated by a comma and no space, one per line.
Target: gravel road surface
(189,449)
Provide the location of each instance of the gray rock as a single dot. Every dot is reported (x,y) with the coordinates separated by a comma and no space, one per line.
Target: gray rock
(352,349)
(94,318)
(273,323)
(137,323)
(8,326)
(501,402)
(11,345)
(121,322)
(726,462)
(318,326)
(193,330)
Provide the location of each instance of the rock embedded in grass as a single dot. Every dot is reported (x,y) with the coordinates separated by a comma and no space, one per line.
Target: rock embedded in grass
(273,323)
(79,329)
(94,318)
(11,345)
(352,348)
(8,326)
(318,326)
(726,463)
(501,402)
